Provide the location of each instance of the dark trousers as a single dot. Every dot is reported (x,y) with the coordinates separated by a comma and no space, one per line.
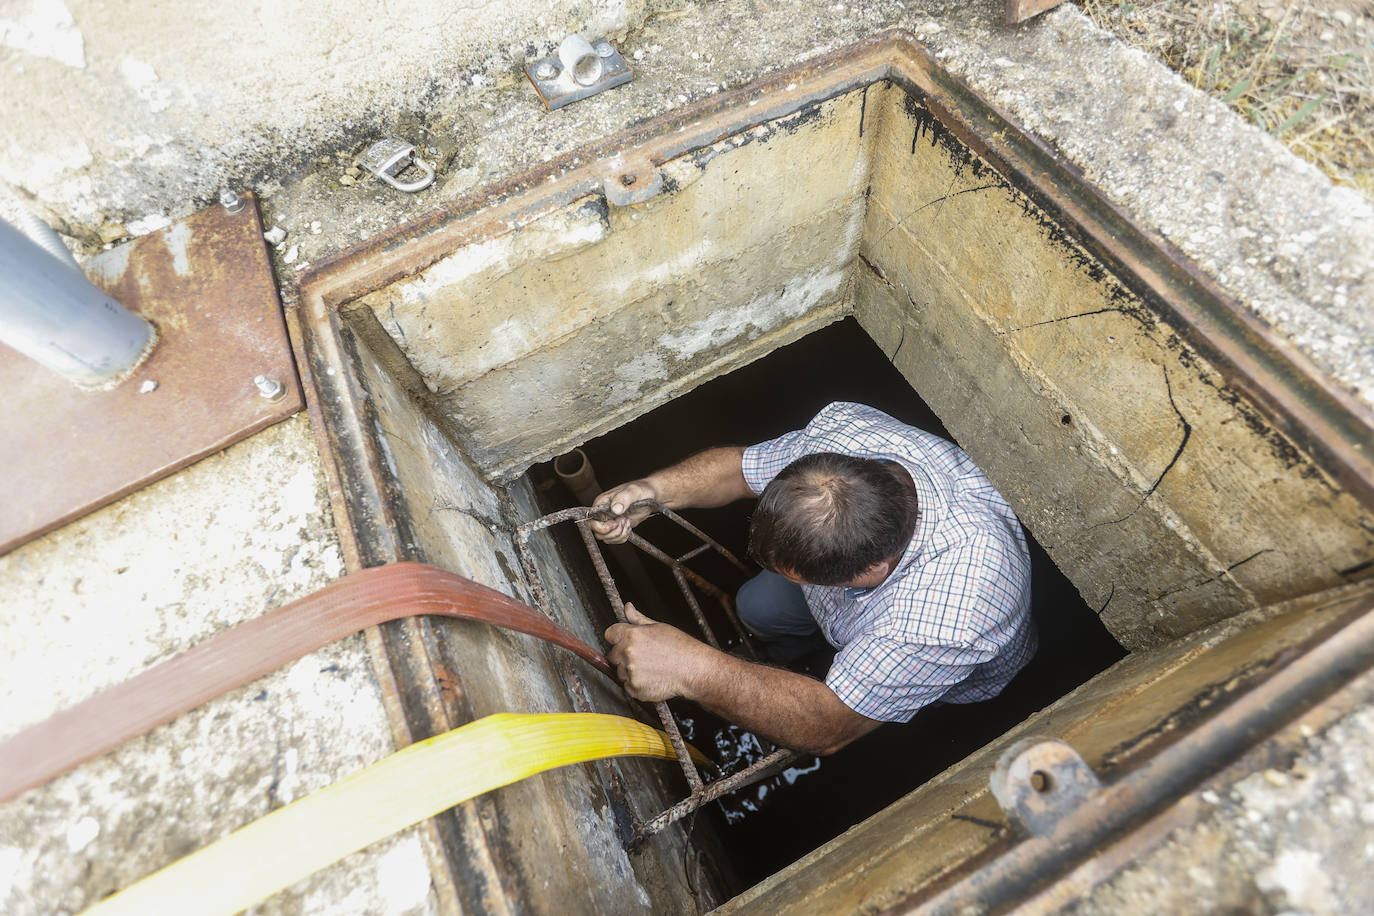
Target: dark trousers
(774,611)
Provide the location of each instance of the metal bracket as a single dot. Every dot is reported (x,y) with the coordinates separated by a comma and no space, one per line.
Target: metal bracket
(206,283)
(1039,781)
(579,69)
(389,157)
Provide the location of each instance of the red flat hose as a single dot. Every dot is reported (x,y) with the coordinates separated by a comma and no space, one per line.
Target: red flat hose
(250,650)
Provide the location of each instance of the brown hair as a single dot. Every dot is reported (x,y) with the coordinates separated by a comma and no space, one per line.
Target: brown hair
(827,517)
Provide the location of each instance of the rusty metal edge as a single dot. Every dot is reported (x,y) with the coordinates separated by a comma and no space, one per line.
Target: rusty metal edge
(1323,420)
(436,845)
(465,861)
(1012,870)
(1273,751)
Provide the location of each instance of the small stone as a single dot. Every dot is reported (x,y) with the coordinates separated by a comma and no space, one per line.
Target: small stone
(1275,778)
(316,227)
(291,253)
(354,171)
(82,834)
(275,236)
(1211,797)
(147,386)
(112,232)
(639,54)
(348,180)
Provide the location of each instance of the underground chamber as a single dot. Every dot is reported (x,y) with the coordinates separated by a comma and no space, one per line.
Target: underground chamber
(1204,495)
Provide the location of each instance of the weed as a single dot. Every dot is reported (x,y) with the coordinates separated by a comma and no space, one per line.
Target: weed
(1303,71)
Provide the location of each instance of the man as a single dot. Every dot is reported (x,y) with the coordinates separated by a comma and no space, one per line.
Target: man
(886,539)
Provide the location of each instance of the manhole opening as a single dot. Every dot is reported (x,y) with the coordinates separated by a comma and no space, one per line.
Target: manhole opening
(771,824)
(1058,344)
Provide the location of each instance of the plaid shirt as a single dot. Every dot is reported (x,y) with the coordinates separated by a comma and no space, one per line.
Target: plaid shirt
(952,621)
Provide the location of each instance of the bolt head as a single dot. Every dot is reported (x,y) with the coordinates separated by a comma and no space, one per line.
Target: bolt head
(230,201)
(546,70)
(603,48)
(269,388)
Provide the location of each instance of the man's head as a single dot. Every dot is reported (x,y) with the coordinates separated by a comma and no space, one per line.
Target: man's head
(829,519)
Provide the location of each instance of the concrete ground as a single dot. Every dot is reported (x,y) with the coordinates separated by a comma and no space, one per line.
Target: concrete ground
(124,119)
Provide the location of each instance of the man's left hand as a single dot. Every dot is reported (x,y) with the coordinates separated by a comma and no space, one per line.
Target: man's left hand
(653,660)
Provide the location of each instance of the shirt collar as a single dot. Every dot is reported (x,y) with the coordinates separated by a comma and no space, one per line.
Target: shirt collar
(929,509)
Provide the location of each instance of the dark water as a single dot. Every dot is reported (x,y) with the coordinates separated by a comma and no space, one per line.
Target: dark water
(770,825)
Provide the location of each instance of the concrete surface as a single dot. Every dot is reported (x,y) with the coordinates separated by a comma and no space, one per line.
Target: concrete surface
(124,118)
(101,599)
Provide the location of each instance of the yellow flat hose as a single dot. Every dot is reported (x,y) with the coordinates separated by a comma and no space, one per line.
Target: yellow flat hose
(428,777)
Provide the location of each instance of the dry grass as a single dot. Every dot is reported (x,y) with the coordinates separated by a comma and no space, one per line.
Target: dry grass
(1304,71)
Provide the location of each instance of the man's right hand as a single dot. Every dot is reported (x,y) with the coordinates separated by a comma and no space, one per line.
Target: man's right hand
(618,500)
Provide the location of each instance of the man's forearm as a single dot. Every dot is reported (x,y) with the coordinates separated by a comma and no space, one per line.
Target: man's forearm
(656,661)
(706,480)
(789,709)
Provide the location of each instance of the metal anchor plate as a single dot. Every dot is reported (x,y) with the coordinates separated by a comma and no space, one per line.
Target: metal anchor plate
(577,70)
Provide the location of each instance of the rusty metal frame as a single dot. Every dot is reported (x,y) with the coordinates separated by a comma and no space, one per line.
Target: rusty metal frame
(1055,845)
(701,792)
(1321,418)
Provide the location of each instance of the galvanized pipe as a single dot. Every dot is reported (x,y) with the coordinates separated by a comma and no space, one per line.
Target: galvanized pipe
(52,314)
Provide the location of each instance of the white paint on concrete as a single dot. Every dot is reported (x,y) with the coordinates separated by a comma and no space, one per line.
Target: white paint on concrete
(82,834)
(403,877)
(142,78)
(770,310)
(44,28)
(11,857)
(1299,875)
(647,368)
(685,263)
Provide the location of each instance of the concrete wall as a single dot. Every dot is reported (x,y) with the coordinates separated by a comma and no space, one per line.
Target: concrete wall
(552,843)
(542,338)
(1156,487)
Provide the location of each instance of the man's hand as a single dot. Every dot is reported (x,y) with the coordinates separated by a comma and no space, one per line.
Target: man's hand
(618,500)
(705,480)
(654,661)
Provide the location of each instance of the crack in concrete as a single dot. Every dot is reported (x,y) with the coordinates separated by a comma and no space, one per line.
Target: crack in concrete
(1210,579)
(939,200)
(1110,596)
(1178,452)
(1067,318)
